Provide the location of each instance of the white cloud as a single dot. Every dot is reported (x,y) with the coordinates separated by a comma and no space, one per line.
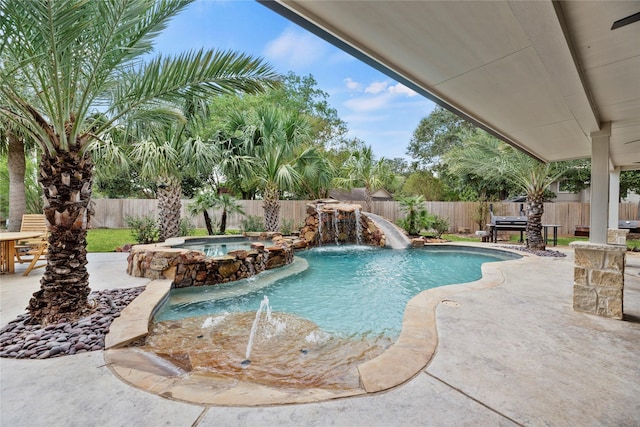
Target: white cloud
(295,49)
(352,85)
(376,87)
(368,103)
(401,89)
(365,118)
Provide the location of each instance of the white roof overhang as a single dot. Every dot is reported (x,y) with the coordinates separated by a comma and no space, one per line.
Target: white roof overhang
(541,75)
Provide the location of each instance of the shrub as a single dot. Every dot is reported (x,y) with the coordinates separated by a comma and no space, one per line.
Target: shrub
(440,225)
(252,223)
(186,227)
(287,226)
(143,229)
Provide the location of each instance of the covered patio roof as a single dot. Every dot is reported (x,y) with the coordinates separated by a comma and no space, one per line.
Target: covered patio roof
(542,76)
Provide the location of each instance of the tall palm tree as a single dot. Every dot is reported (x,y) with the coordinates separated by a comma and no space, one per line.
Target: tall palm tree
(279,142)
(78,58)
(283,158)
(486,156)
(361,169)
(14,145)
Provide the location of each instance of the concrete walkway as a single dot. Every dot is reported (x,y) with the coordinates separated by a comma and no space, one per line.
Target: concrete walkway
(516,354)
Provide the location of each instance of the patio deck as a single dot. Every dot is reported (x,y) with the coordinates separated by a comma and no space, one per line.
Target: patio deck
(515,354)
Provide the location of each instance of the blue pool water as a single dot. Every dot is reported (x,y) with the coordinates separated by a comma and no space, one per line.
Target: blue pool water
(219,247)
(345,289)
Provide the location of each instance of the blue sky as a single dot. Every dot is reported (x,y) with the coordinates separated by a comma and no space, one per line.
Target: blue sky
(378,110)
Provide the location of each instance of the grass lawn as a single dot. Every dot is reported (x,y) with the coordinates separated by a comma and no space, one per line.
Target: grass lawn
(108,239)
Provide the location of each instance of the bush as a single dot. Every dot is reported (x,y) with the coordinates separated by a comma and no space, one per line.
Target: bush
(186,227)
(252,223)
(144,229)
(287,227)
(440,225)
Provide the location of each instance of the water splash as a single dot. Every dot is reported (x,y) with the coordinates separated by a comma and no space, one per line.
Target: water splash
(319,211)
(336,231)
(266,308)
(358,227)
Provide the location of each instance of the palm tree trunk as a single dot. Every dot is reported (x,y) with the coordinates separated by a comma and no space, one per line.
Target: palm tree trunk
(223,221)
(17,166)
(64,287)
(368,199)
(169,207)
(271,206)
(207,222)
(535,209)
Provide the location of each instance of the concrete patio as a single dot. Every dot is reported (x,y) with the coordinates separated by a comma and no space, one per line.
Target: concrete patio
(515,354)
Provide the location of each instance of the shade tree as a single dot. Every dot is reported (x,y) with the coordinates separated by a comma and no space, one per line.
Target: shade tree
(80,59)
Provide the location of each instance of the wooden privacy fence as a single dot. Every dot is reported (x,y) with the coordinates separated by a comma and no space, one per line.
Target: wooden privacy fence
(111,213)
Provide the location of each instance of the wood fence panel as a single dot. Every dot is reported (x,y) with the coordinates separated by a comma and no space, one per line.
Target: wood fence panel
(111,213)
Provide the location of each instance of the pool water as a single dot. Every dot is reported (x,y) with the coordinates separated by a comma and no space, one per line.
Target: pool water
(219,247)
(332,310)
(347,289)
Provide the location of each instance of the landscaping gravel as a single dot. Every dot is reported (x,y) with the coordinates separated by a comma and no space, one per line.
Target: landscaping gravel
(20,340)
(547,252)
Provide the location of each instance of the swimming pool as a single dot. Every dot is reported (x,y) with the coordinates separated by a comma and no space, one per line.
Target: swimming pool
(342,308)
(345,289)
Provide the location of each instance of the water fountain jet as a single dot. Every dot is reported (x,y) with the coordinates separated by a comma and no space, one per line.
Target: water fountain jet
(266,308)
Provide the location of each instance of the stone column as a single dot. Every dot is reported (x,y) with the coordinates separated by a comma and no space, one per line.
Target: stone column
(598,280)
(614,196)
(600,184)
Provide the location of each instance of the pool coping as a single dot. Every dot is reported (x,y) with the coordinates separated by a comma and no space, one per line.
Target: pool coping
(409,355)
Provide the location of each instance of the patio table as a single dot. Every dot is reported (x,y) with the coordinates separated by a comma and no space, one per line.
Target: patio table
(8,248)
(555,233)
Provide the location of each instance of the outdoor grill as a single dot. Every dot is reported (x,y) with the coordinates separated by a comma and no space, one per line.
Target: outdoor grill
(507,223)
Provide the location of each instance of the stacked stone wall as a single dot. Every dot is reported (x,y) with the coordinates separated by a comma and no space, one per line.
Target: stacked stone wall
(192,268)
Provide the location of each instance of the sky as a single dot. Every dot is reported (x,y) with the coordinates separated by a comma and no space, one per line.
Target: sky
(377,110)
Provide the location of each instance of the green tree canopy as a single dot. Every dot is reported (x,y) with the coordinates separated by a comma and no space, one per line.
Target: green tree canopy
(436,135)
(84,68)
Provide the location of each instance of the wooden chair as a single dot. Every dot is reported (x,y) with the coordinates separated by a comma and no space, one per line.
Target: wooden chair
(33,250)
(38,252)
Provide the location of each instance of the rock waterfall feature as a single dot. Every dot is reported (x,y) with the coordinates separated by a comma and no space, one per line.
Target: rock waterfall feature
(330,222)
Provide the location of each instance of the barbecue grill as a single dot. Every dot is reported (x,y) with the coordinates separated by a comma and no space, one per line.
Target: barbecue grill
(507,223)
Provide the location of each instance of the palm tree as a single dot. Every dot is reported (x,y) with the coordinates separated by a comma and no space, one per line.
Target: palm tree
(201,205)
(486,156)
(278,140)
(78,58)
(14,146)
(228,205)
(362,169)
(412,206)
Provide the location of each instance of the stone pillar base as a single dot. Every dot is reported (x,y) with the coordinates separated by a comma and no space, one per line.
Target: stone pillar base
(617,236)
(598,280)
